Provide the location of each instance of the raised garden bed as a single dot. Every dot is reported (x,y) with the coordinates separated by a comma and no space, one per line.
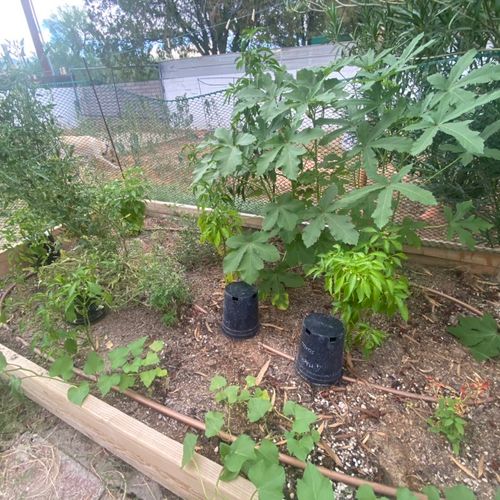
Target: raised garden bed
(374,435)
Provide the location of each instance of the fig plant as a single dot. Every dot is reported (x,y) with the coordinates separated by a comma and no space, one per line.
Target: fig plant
(278,148)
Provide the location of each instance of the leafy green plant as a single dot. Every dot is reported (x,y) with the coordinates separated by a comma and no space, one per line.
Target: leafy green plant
(218,223)
(447,421)
(302,438)
(363,281)
(480,335)
(281,126)
(257,400)
(260,461)
(162,281)
(124,199)
(77,293)
(123,367)
(21,225)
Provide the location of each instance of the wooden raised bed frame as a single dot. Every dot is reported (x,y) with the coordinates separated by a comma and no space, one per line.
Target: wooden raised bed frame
(152,453)
(479,260)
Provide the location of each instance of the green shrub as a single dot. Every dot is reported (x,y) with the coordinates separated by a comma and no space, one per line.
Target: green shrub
(362,281)
(162,281)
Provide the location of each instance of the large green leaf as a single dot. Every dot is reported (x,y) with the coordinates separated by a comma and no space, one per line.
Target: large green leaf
(228,159)
(289,159)
(302,417)
(214,421)
(383,211)
(356,196)
(480,335)
(241,451)
(324,216)
(94,364)
(188,446)
(469,139)
(415,193)
(266,159)
(248,253)
(78,394)
(257,408)
(269,479)
(339,226)
(463,225)
(62,367)
(285,213)
(314,486)
(106,382)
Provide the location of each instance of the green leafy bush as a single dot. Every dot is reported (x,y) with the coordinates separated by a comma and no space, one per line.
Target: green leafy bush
(447,421)
(363,281)
(124,200)
(256,400)
(162,281)
(281,126)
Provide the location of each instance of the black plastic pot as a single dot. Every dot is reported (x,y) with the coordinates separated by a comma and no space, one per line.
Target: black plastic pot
(45,253)
(240,318)
(95,313)
(321,350)
(53,251)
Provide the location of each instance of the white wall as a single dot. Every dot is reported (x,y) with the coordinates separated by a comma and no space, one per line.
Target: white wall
(64,104)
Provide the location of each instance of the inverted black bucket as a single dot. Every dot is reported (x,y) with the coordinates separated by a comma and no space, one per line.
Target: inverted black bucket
(240,318)
(321,351)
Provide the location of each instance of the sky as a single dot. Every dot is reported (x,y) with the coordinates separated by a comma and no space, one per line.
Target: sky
(13,24)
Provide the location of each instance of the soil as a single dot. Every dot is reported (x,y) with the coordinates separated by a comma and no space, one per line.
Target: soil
(367,433)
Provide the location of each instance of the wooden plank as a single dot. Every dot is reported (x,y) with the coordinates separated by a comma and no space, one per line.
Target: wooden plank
(162,208)
(5,259)
(152,453)
(481,261)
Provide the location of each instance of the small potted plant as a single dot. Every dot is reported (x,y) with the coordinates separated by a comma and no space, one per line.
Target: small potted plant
(40,248)
(78,295)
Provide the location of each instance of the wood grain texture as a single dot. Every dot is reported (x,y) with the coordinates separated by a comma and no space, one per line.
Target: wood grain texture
(152,453)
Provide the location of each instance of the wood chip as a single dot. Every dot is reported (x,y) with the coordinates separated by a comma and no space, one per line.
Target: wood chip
(365,439)
(200,309)
(374,413)
(321,427)
(331,453)
(480,467)
(197,335)
(341,437)
(462,467)
(335,425)
(270,325)
(208,326)
(109,344)
(262,372)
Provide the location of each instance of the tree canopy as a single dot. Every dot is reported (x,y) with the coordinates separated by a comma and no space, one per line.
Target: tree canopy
(139,30)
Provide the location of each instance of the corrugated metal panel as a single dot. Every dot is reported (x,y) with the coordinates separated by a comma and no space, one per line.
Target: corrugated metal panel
(293,58)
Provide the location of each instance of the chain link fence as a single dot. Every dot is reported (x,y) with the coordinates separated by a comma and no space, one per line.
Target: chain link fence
(146,130)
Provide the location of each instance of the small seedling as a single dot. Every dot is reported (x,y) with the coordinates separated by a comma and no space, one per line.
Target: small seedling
(447,421)
(301,440)
(123,367)
(257,400)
